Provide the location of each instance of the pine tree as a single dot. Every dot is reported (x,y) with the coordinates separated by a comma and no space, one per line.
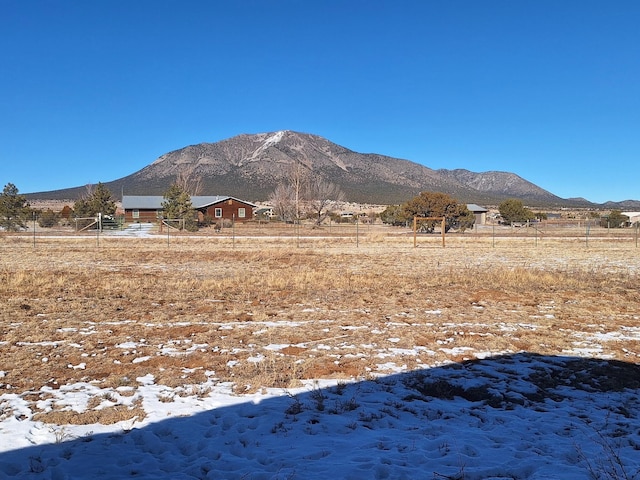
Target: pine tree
(98,200)
(513,210)
(177,206)
(14,209)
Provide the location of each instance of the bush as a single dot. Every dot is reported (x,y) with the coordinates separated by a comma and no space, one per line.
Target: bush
(615,219)
(48,219)
(207,221)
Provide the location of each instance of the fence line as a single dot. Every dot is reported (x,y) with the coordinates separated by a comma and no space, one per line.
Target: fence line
(535,235)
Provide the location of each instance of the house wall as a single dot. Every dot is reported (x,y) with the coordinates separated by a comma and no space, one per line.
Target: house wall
(481,218)
(229,209)
(142,215)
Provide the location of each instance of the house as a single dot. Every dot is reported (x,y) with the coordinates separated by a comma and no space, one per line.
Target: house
(148,208)
(479,212)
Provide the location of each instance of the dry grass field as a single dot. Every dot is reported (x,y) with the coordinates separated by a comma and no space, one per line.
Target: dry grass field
(268,311)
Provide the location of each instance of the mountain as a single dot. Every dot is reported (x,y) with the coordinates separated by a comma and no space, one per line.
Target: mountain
(625,205)
(250,167)
(502,184)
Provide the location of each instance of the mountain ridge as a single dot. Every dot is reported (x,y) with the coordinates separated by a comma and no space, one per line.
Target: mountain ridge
(250,166)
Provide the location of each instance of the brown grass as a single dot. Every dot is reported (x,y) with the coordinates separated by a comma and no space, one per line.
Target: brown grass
(104,416)
(264,313)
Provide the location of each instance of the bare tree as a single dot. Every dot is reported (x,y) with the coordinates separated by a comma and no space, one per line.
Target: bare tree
(298,177)
(321,194)
(283,202)
(301,186)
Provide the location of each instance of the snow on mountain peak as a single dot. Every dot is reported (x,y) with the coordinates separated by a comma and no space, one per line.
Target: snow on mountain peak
(270,141)
(274,138)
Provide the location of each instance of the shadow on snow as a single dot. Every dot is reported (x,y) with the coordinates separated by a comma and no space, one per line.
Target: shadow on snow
(512,416)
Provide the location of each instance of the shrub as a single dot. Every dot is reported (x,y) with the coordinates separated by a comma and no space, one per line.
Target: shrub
(615,219)
(207,221)
(48,219)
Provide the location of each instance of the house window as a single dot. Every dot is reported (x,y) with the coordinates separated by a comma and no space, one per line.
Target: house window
(242,212)
(135,214)
(217,213)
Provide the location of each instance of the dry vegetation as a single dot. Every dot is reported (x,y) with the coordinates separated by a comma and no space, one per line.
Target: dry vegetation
(268,312)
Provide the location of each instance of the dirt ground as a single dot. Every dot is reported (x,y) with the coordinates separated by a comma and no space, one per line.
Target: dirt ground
(270,310)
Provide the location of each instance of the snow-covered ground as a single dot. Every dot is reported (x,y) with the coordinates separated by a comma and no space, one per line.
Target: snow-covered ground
(139,230)
(519,416)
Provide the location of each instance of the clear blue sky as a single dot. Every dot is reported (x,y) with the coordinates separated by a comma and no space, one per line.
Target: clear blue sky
(550,90)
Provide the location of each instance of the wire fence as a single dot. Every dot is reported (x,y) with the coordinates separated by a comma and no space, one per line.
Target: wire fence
(93,231)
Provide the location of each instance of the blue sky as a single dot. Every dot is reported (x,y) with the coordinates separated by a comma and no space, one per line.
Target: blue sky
(550,90)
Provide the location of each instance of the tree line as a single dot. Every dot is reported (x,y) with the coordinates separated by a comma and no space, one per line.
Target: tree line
(457,215)
(300,194)
(15,211)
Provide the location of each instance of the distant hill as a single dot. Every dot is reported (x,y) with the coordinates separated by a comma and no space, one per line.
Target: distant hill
(250,167)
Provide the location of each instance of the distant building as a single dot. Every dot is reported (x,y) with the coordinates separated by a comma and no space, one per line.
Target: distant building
(264,212)
(148,208)
(479,212)
(634,217)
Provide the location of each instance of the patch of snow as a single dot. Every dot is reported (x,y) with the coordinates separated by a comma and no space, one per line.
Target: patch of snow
(268,142)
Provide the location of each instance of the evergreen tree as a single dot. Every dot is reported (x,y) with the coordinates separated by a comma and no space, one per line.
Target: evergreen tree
(177,206)
(437,204)
(513,210)
(14,209)
(394,215)
(98,200)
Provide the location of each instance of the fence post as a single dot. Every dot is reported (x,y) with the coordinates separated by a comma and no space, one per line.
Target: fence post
(587,234)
